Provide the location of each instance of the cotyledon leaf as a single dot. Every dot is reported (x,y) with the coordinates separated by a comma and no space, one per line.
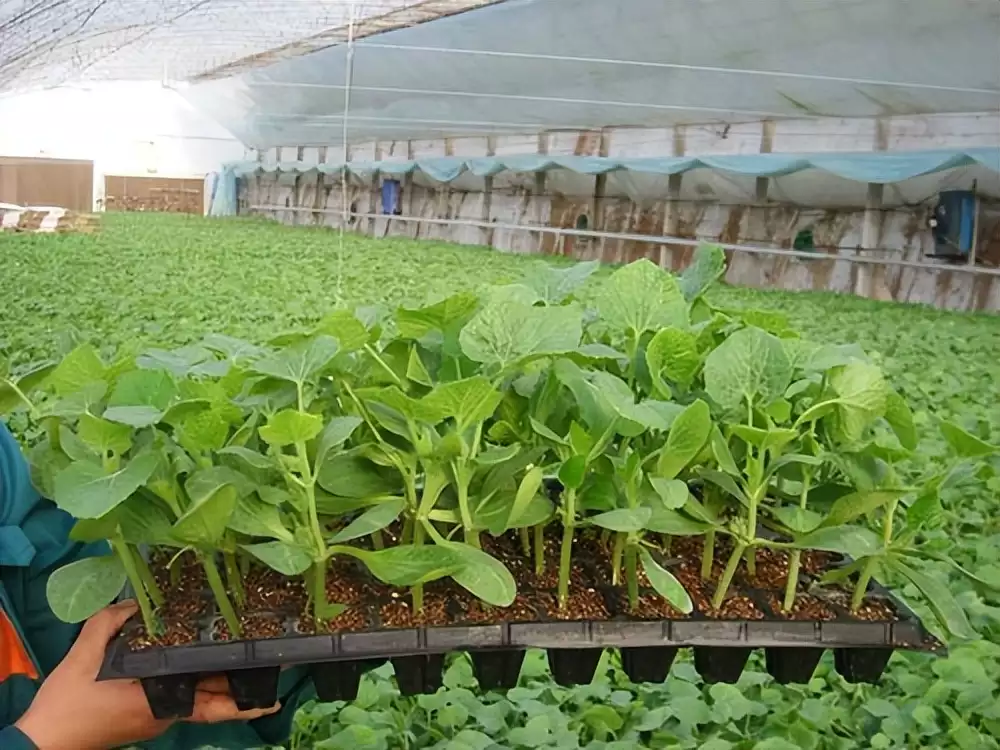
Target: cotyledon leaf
(82,588)
(374,519)
(483,575)
(688,434)
(85,490)
(286,558)
(664,583)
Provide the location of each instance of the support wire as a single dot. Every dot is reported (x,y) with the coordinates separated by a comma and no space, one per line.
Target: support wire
(345,209)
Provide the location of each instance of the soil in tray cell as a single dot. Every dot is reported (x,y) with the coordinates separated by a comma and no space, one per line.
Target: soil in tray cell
(184,609)
(274,601)
(871,609)
(255,627)
(806,607)
(583,604)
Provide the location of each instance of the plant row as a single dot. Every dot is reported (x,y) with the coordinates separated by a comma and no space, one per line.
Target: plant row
(660,414)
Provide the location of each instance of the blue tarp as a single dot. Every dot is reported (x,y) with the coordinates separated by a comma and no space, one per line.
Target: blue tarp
(866,167)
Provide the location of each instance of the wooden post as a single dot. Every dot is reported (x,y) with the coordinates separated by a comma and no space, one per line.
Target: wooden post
(870,239)
(671,218)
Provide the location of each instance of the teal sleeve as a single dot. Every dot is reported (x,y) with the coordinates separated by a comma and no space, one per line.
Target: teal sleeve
(37,533)
(12,738)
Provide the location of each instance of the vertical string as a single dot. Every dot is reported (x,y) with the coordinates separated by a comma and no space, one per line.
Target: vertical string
(345,212)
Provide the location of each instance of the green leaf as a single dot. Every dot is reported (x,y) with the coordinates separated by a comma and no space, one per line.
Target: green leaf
(965,444)
(153,388)
(342,325)
(503,333)
(642,297)
(337,432)
(291,426)
(416,370)
(861,399)
(288,559)
(374,519)
(707,266)
(854,541)
(133,416)
(858,504)
(417,323)
(79,368)
(673,492)
(231,348)
(204,523)
(82,588)
(497,455)
(623,520)
(546,433)
(254,517)
(104,437)
(573,471)
(352,475)
(144,521)
(408,565)
(723,456)
(938,598)
(687,436)
(553,285)
(726,483)
(666,521)
(298,363)
(672,354)
(413,409)
(749,365)
(526,491)
(604,720)
(483,576)
(89,530)
(85,490)
(900,419)
(664,583)
(797,520)
(251,458)
(468,401)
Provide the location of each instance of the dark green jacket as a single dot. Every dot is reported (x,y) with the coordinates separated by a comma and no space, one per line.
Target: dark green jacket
(34,541)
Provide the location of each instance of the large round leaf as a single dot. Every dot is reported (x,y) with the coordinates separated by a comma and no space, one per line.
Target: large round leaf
(82,588)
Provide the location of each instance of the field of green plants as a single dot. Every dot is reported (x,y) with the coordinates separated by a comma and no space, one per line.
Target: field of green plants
(166,281)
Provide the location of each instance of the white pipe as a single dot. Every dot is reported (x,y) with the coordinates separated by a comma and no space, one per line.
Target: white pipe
(652,239)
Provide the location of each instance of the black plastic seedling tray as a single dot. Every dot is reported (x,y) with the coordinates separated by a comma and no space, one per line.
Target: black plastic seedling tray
(648,648)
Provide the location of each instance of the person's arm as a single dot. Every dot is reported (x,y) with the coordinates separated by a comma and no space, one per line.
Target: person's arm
(73,711)
(35,543)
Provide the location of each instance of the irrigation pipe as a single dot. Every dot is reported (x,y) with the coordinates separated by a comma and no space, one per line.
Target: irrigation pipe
(647,238)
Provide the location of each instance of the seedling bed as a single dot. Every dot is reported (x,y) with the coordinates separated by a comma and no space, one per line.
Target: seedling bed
(373,631)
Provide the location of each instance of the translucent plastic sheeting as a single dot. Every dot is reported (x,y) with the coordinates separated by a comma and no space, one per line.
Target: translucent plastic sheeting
(526,66)
(879,167)
(817,179)
(51,42)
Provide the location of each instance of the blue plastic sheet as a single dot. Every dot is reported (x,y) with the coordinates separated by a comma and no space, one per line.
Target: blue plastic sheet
(895,166)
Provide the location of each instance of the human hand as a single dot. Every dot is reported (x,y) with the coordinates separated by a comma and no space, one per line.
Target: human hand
(73,711)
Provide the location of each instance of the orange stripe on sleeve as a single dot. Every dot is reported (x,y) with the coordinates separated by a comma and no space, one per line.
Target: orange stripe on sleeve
(14,658)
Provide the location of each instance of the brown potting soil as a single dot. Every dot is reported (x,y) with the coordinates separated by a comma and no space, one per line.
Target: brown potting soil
(276,606)
(806,607)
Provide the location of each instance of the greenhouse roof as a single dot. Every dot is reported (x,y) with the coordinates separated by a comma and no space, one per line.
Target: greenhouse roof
(524,66)
(51,42)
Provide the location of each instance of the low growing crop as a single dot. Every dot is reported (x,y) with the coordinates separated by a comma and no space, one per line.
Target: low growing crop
(403,441)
